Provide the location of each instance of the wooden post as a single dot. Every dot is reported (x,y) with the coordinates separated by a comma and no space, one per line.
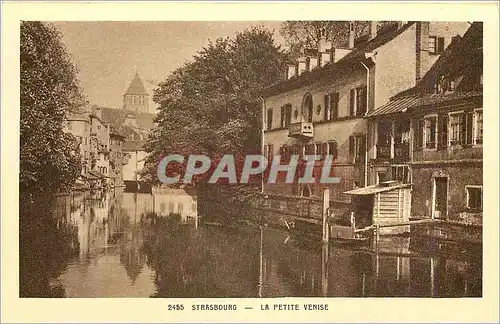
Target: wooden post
(196,218)
(326,206)
(324,270)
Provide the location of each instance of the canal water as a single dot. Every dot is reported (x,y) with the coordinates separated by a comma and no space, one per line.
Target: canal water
(104,246)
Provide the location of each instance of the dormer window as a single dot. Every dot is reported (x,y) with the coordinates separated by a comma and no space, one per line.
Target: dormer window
(436,45)
(446,84)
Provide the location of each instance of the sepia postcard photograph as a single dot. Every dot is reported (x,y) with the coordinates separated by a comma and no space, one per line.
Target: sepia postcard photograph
(171,162)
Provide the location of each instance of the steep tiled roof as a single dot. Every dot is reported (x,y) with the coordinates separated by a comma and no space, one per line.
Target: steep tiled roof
(345,64)
(116,117)
(402,104)
(464,57)
(132,146)
(136,87)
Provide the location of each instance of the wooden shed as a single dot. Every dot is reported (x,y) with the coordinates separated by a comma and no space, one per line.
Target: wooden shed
(386,204)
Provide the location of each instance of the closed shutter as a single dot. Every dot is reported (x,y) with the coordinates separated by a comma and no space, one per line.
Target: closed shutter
(440,45)
(334,105)
(352,102)
(282,116)
(351,146)
(442,131)
(327,107)
(469,118)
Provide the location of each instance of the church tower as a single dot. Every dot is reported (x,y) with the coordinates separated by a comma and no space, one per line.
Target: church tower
(136,98)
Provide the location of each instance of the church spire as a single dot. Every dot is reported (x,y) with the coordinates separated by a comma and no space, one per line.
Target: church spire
(136,97)
(136,86)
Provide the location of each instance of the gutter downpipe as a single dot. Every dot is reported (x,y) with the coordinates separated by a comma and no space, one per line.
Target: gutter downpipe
(367,101)
(372,56)
(263,108)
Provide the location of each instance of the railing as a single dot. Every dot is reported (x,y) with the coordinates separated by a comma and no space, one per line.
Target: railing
(402,151)
(383,151)
(301,129)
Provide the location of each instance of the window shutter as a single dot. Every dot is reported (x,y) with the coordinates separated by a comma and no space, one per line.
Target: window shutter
(269,118)
(282,122)
(351,146)
(440,44)
(443,131)
(324,149)
(352,102)
(333,149)
(468,127)
(326,106)
(334,105)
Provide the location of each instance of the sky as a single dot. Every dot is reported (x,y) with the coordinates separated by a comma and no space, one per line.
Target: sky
(108,54)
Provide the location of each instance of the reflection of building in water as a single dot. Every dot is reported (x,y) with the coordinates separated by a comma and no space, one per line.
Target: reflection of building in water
(175,201)
(132,257)
(137,205)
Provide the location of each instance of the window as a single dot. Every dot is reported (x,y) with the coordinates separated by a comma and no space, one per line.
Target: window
(461,128)
(430,132)
(309,149)
(479,127)
(318,150)
(358,101)
(357,145)
(180,208)
(474,197)
(332,149)
(285,153)
(193,207)
(436,45)
(98,127)
(286,116)
(361,101)
(400,173)
(269,118)
(332,106)
(456,121)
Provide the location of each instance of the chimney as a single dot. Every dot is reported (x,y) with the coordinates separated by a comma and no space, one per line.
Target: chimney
(98,112)
(326,57)
(302,66)
(291,71)
(351,35)
(373,29)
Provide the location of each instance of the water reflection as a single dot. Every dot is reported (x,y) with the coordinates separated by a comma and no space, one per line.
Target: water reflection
(100,246)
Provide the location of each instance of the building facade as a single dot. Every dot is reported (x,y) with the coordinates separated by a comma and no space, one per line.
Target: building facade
(117,159)
(431,135)
(320,108)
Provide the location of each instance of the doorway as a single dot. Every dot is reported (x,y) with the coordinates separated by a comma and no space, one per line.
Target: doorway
(440,198)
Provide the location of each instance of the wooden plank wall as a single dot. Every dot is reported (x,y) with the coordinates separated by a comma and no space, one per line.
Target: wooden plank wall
(390,206)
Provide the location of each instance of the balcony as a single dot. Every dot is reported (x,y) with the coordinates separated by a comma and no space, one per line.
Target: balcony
(401,152)
(383,151)
(301,130)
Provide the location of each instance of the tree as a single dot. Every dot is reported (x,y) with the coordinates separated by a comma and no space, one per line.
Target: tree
(49,91)
(209,106)
(306,34)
